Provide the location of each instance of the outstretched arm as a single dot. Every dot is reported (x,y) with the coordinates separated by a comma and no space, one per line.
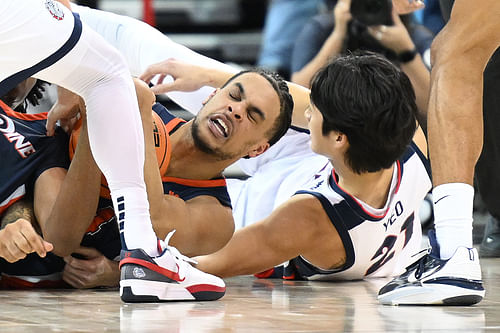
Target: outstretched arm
(298,227)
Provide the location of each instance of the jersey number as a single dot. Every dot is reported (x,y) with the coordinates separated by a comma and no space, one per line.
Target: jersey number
(386,250)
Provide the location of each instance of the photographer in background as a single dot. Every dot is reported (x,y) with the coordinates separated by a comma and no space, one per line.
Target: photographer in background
(364,24)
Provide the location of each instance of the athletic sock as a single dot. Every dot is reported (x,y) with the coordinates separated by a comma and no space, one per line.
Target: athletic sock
(453,207)
(131,206)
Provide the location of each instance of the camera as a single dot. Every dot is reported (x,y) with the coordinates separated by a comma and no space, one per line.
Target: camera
(372,12)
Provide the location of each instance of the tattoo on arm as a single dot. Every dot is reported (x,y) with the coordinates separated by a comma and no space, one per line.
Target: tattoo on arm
(22,209)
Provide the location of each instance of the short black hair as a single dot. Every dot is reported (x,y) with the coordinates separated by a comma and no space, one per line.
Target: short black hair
(284,120)
(367,98)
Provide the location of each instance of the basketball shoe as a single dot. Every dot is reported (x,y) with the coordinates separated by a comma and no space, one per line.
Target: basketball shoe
(168,277)
(431,280)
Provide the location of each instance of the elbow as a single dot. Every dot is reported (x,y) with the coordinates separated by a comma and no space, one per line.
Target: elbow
(64,244)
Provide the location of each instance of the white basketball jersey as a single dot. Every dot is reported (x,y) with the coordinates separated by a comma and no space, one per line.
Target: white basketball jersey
(378,242)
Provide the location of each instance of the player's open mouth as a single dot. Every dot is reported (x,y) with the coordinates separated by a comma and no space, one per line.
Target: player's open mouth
(220,125)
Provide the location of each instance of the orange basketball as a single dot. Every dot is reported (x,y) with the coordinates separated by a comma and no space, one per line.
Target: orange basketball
(159,139)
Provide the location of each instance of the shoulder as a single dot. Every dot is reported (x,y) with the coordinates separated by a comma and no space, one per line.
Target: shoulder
(300,209)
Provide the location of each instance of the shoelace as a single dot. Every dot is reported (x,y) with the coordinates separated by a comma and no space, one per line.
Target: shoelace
(419,261)
(174,251)
(421,267)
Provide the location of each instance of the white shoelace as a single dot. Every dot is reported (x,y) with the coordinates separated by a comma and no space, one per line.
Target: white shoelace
(173,250)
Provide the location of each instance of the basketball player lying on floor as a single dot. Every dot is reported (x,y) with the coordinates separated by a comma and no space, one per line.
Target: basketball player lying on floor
(358,216)
(244,118)
(361,207)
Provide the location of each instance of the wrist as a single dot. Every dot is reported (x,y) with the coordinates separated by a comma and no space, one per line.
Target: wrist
(339,32)
(407,55)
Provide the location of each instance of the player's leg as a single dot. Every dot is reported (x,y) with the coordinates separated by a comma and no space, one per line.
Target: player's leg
(461,52)
(455,117)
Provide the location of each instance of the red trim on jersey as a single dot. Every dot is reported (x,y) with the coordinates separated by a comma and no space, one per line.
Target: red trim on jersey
(23,116)
(10,203)
(399,177)
(205,287)
(195,182)
(398,166)
(154,267)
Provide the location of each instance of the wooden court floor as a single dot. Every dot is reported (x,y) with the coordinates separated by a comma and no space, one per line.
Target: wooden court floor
(250,305)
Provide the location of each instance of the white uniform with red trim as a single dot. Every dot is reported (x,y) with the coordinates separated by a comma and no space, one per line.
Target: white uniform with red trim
(378,242)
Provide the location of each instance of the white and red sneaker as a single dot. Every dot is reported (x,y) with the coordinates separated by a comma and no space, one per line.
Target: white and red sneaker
(168,277)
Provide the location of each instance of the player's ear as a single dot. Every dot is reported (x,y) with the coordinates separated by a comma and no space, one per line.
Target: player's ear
(211,95)
(257,150)
(339,139)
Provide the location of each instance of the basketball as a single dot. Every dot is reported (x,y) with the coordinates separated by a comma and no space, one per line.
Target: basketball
(159,138)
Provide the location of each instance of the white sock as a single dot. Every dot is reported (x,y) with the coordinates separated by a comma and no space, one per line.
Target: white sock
(453,207)
(131,205)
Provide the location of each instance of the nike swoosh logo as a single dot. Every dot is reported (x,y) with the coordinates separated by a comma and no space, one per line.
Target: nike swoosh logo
(435,202)
(413,278)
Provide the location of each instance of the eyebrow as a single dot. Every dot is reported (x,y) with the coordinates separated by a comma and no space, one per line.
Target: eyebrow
(250,108)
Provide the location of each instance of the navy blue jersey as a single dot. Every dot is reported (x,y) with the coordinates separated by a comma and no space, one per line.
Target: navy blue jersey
(26,152)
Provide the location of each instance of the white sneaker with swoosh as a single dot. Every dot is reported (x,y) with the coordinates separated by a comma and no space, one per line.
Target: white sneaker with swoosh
(431,280)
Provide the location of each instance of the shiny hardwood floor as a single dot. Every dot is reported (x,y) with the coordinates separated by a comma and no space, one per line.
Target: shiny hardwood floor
(250,305)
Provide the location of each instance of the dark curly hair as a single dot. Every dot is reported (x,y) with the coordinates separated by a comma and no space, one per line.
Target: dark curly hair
(34,96)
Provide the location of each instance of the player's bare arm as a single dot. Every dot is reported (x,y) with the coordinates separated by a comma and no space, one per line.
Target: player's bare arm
(298,227)
(76,203)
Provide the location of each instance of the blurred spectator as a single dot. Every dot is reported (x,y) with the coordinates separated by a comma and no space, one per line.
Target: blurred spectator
(284,20)
(432,17)
(322,38)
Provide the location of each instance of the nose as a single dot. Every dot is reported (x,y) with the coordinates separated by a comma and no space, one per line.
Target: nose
(236,110)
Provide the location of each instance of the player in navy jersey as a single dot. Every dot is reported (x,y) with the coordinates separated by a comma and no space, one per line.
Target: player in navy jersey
(200,150)
(358,216)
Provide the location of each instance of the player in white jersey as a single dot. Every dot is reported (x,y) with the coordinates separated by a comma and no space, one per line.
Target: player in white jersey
(44,39)
(360,216)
